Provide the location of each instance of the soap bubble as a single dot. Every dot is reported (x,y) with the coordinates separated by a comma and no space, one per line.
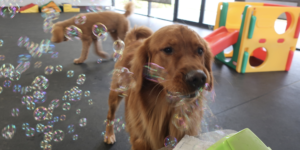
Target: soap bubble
(39,96)
(59,68)
(81,79)
(48,116)
(94,9)
(154,72)
(48,128)
(23,58)
(71,128)
(15,112)
(55,119)
(40,128)
(70,73)
(25,126)
(78,111)
(2,57)
(30,105)
(99,61)
(22,67)
(39,113)
(170,142)
(37,64)
(6,70)
(44,144)
(58,135)
(117,56)
(99,29)
(66,106)
(9,11)
(1,89)
(82,122)
(7,83)
(47,26)
(73,31)
(62,117)
(1,42)
(55,103)
(17,88)
(23,41)
(87,93)
(49,147)
(80,19)
(75,137)
(90,101)
(123,77)
(54,55)
(118,46)
(50,108)
(40,82)
(49,70)
(14,75)
(29,132)
(48,136)
(8,132)
(64,97)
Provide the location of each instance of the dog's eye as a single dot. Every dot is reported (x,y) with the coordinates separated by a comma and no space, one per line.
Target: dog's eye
(200,51)
(168,50)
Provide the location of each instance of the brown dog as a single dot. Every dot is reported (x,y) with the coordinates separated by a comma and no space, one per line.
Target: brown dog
(187,60)
(117,25)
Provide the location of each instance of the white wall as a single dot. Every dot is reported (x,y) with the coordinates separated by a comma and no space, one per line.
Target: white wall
(58,2)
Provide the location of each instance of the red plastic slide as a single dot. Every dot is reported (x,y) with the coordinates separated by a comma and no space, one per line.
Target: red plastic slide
(221,39)
(27,6)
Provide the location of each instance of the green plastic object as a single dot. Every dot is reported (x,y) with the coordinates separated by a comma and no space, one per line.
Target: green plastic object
(252,26)
(245,60)
(243,140)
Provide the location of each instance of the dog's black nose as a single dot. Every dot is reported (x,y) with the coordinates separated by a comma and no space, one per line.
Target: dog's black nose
(195,79)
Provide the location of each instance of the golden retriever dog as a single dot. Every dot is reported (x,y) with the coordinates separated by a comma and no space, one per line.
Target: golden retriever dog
(186,58)
(117,25)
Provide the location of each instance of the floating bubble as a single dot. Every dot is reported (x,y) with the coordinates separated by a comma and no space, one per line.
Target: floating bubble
(117,56)
(15,112)
(65,97)
(15,75)
(75,137)
(1,89)
(46,47)
(47,26)
(81,79)
(39,96)
(48,116)
(80,19)
(40,128)
(154,72)
(7,83)
(70,73)
(99,29)
(99,61)
(40,82)
(123,77)
(44,144)
(48,128)
(82,122)
(2,57)
(59,68)
(37,64)
(22,41)
(62,117)
(29,132)
(6,70)
(30,105)
(54,55)
(48,136)
(23,58)
(49,147)
(180,121)
(8,132)
(58,135)
(87,93)
(73,31)
(94,9)
(71,128)
(170,142)
(50,123)
(17,88)
(90,102)
(22,67)
(25,126)
(10,10)
(1,42)
(66,106)
(78,111)
(39,113)
(55,103)
(55,119)
(49,70)
(118,46)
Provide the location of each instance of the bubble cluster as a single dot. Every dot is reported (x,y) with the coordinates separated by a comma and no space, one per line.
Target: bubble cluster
(81,79)
(80,19)
(62,117)
(75,137)
(15,112)
(74,94)
(66,106)
(123,77)
(9,11)
(99,30)
(117,123)
(87,93)
(39,113)
(82,122)
(59,68)
(40,128)
(29,132)
(71,128)
(49,70)
(8,132)
(58,135)
(39,96)
(170,142)
(70,73)
(73,32)
(40,82)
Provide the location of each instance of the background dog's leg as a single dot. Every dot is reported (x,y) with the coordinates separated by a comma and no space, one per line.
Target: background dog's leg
(98,49)
(113,102)
(84,52)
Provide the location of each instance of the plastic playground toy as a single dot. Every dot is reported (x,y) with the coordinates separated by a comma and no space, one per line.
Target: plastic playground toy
(243,140)
(256,45)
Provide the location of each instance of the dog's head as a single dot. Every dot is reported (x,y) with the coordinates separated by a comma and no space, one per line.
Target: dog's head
(184,55)
(58,33)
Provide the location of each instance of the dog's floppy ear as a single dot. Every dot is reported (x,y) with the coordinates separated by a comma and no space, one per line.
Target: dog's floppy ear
(208,65)
(140,59)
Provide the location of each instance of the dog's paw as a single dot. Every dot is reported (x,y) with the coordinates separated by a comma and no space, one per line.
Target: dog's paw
(110,139)
(78,61)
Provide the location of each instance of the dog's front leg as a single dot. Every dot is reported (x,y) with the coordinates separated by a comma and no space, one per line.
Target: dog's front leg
(86,43)
(98,49)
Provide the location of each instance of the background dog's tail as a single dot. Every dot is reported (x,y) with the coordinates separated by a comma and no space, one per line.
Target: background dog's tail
(137,33)
(129,7)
